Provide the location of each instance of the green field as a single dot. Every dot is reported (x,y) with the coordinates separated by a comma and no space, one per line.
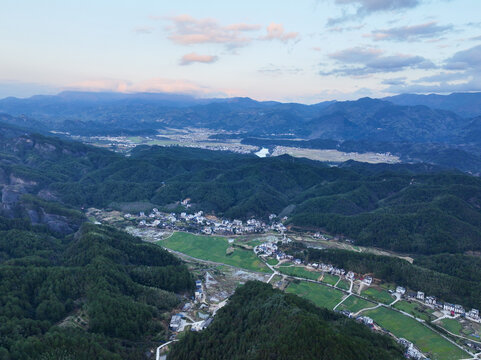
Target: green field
(344,284)
(320,295)
(299,272)
(425,339)
(330,279)
(378,295)
(354,304)
(415,309)
(452,325)
(213,248)
(272,261)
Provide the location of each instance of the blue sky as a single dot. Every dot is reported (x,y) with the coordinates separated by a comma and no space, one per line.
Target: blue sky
(304,51)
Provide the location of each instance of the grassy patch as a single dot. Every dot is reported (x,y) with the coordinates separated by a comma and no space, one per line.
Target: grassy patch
(213,248)
(330,279)
(415,309)
(354,304)
(452,325)
(344,284)
(300,272)
(320,295)
(272,261)
(378,295)
(425,339)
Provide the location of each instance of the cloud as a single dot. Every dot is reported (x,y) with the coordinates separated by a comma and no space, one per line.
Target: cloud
(144,29)
(155,85)
(191,58)
(444,87)
(442,77)
(358,61)
(276,32)
(410,33)
(394,81)
(462,72)
(475,38)
(356,55)
(341,29)
(367,7)
(186,30)
(469,59)
(276,70)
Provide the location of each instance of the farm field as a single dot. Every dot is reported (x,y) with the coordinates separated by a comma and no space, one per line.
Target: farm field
(344,284)
(320,295)
(272,262)
(425,339)
(354,304)
(213,248)
(378,295)
(330,279)
(415,309)
(299,272)
(464,328)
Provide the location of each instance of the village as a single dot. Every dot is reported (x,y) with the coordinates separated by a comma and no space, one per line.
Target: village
(198,312)
(197,222)
(444,310)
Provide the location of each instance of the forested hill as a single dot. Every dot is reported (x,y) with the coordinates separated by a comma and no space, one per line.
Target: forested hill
(261,323)
(100,294)
(408,208)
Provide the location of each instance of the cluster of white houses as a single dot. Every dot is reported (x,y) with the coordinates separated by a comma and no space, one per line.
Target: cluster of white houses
(207,225)
(454,309)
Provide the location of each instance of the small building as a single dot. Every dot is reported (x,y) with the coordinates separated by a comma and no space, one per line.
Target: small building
(401,290)
(473,314)
(420,296)
(175,322)
(367,280)
(430,300)
(367,320)
(448,307)
(350,275)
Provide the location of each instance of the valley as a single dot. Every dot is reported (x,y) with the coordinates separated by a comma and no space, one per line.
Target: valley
(225,262)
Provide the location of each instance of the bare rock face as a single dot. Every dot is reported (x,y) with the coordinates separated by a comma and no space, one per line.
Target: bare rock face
(11,195)
(47,195)
(14,180)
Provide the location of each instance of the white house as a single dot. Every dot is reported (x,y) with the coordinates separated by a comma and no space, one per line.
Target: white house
(367,280)
(420,295)
(401,290)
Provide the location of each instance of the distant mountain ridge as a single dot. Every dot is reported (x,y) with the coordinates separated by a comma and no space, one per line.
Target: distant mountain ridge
(363,119)
(463,104)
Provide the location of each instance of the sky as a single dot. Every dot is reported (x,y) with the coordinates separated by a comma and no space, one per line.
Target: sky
(292,51)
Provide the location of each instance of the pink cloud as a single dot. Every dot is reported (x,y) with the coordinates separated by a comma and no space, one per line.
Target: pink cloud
(154,85)
(186,30)
(190,58)
(276,32)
